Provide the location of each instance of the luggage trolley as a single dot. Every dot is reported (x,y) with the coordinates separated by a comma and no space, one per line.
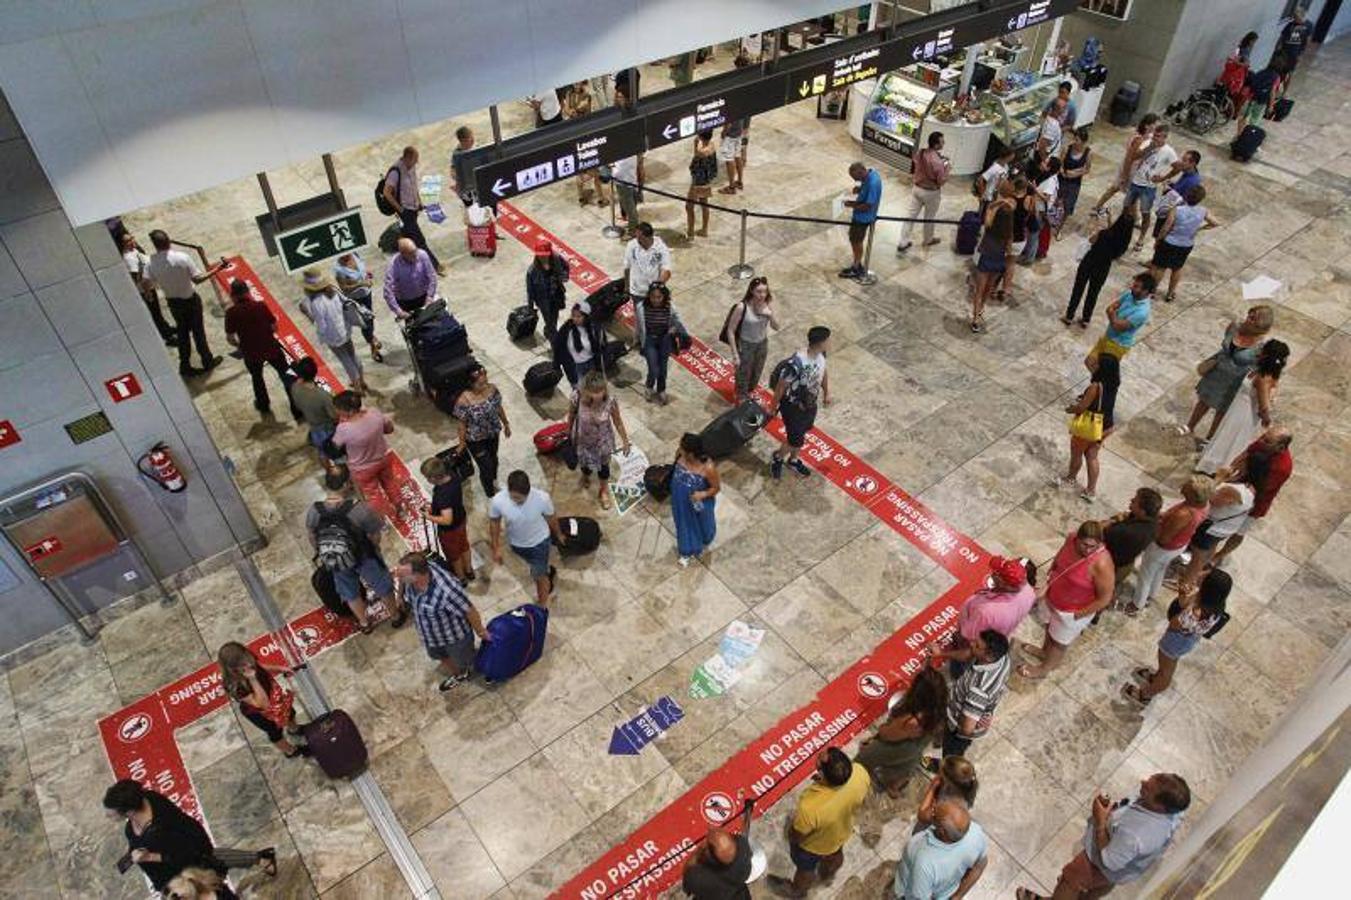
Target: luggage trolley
(435,340)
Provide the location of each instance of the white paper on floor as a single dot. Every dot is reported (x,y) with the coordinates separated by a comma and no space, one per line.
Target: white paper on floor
(1263,287)
(722,670)
(626,487)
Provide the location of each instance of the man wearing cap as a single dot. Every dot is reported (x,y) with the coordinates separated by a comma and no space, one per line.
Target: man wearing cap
(410,280)
(546,286)
(720,868)
(1001,605)
(250,326)
(333,316)
(647,260)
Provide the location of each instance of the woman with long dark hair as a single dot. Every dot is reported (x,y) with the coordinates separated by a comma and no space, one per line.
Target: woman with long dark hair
(1193,615)
(694,489)
(262,700)
(1106,247)
(1098,397)
(892,755)
(482,423)
(580,343)
(655,325)
(747,332)
(1251,410)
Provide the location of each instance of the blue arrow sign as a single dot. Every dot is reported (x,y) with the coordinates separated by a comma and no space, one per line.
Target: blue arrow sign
(629,738)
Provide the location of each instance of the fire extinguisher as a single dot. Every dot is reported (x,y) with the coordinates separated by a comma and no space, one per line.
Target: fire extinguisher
(157,464)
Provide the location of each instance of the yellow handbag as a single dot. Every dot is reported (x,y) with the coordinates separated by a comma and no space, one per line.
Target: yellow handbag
(1087,425)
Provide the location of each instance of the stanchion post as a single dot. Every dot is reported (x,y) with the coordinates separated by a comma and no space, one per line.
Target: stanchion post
(741,271)
(613,230)
(868,276)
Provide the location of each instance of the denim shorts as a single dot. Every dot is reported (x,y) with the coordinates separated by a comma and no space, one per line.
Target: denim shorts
(461,653)
(537,556)
(1144,193)
(1177,644)
(370,570)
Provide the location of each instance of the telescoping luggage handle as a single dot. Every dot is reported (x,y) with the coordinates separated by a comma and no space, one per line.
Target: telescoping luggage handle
(530,647)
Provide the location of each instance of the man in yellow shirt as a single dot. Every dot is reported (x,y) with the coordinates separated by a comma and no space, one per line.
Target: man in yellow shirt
(824,822)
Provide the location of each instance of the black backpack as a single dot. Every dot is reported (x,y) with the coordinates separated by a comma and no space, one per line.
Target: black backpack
(788,368)
(726,334)
(337,546)
(381,202)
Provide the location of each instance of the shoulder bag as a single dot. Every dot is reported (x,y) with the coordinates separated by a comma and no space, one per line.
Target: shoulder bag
(1087,425)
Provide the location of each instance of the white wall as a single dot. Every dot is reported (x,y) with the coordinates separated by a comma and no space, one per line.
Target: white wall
(133,102)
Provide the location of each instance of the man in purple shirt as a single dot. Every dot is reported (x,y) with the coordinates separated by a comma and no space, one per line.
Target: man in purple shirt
(410,280)
(1001,605)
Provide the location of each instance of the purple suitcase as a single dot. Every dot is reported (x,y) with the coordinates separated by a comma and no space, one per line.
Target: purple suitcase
(336,744)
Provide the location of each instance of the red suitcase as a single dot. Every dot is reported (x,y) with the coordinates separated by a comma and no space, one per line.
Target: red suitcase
(482,240)
(551,438)
(336,744)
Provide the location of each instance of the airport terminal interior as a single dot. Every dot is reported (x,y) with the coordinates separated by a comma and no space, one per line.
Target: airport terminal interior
(517,787)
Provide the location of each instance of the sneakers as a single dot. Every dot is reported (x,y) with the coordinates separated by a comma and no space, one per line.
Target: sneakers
(901,248)
(851,271)
(454,681)
(776,467)
(799,467)
(399,619)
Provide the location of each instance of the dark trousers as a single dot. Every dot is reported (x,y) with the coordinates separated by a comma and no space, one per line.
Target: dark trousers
(548,314)
(411,229)
(412,304)
(484,453)
(1092,276)
(261,401)
(657,352)
(187,316)
(166,331)
(954,744)
(368,329)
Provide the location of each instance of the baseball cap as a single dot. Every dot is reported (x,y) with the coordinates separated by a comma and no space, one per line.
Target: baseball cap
(543,248)
(1014,571)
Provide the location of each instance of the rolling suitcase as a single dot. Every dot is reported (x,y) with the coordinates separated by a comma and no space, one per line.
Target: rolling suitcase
(1242,148)
(657,481)
(446,380)
(516,639)
(551,438)
(542,377)
(1282,108)
(606,301)
(725,434)
(436,338)
(324,586)
(336,744)
(968,233)
(582,534)
(611,354)
(521,322)
(482,240)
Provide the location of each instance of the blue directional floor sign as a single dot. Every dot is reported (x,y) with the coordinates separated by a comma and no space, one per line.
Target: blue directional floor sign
(631,737)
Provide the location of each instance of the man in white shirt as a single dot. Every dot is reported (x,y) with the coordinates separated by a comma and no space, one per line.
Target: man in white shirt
(546,106)
(647,259)
(989,180)
(138,266)
(401,192)
(627,171)
(1152,165)
(178,275)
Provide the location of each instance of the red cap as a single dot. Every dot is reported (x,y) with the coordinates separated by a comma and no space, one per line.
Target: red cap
(1013,571)
(543,248)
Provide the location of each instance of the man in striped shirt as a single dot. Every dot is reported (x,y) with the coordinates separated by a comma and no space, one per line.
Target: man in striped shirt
(972,698)
(445,619)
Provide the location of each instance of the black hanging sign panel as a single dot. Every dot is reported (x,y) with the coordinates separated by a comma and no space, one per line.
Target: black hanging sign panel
(557,161)
(713,110)
(843,70)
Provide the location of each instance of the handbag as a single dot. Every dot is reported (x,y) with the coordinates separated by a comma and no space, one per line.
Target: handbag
(1204,367)
(1175,609)
(1087,425)
(458,460)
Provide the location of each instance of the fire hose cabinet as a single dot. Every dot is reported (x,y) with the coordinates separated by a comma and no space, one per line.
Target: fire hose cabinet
(71,539)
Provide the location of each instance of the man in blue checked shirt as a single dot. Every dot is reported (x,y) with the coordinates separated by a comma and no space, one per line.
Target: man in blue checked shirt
(445,619)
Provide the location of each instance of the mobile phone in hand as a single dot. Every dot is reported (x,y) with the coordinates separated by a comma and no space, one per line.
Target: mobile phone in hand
(124,863)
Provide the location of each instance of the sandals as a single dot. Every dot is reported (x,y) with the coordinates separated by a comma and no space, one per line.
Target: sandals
(376,355)
(1143,674)
(1169,297)
(268,860)
(1025,894)
(1066,321)
(1132,692)
(605,500)
(1027,673)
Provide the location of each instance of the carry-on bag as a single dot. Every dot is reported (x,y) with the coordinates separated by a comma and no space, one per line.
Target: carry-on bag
(657,480)
(606,301)
(515,640)
(336,744)
(542,377)
(968,232)
(725,434)
(1282,108)
(327,589)
(551,438)
(521,322)
(1244,147)
(582,535)
(482,240)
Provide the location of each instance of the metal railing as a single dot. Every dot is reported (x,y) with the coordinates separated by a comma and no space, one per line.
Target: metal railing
(742,270)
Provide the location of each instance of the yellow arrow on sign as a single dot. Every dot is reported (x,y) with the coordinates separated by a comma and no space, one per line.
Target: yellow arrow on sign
(805,89)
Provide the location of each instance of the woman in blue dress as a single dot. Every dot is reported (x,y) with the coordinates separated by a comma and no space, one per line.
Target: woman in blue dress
(694,488)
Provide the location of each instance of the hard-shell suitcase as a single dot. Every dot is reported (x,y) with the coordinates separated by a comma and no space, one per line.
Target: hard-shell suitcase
(725,434)
(515,640)
(1044,240)
(606,301)
(521,322)
(611,354)
(324,585)
(657,480)
(437,338)
(968,232)
(336,744)
(482,240)
(448,379)
(542,377)
(1245,145)
(551,438)
(581,533)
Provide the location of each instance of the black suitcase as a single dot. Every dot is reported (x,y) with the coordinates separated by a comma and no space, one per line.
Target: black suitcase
(1245,145)
(582,534)
(606,301)
(657,480)
(542,377)
(521,322)
(336,744)
(968,233)
(611,354)
(447,379)
(725,434)
(327,589)
(435,335)
(1282,108)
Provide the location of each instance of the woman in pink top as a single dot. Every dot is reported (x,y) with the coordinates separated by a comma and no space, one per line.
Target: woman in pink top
(1080,585)
(1001,605)
(1176,527)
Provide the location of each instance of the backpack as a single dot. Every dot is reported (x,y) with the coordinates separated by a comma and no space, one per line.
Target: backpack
(726,334)
(337,546)
(381,202)
(789,368)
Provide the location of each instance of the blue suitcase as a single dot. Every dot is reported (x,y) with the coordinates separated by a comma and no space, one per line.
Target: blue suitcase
(968,233)
(516,641)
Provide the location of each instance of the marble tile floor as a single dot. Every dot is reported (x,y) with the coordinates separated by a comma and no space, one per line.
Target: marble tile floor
(507,791)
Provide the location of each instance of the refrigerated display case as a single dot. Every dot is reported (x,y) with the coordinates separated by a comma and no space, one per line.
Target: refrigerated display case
(1015,114)
(894,121)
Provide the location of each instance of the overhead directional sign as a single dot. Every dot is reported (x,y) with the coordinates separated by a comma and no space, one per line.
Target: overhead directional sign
(843,70)
(318,241)
(952,35)
(683,120)
(534,168)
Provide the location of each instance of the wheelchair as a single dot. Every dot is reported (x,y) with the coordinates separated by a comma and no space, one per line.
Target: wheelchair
(1204,111)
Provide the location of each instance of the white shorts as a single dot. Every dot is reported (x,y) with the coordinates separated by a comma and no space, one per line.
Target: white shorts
(1063,627)
(729,149)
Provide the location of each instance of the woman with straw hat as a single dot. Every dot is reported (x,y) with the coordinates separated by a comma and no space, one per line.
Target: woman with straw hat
(333,319)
